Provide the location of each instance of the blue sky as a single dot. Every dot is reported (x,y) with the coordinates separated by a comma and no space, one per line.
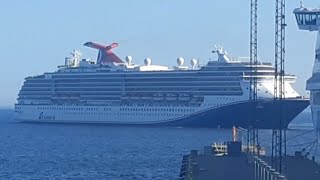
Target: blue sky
(36,35)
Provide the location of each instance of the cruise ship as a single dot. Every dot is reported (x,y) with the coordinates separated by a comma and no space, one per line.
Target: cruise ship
(118,92)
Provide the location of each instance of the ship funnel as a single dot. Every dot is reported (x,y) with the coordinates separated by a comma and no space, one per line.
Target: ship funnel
(222,54)
(105,54)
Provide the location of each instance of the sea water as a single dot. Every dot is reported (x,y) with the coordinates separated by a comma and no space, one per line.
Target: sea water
(78,151)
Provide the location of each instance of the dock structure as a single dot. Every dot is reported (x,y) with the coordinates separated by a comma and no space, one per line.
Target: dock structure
(234,164)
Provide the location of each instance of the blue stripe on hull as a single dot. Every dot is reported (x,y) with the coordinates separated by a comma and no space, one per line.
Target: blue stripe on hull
(239,115)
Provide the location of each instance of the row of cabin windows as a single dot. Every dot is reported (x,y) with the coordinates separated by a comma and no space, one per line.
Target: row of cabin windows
(122,114)
(226,98)
(133,94)
(118,81)
(60,108)
(133,87)
(186,89)
(107,76)
(173,79)
(212,64)
(147,76)
(217,71)
(115,113)
(245,68)
(121,109)
(156,110)
(154,88)
(63,95)
(72,109)
(19,112)
(195,83)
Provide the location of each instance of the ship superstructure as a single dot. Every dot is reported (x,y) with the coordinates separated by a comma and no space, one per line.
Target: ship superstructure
(117,92)
(309,19)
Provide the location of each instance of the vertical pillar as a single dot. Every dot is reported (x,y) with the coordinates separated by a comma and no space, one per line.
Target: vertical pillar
(195,170)
(275,175)
(271,174)
(256,166)
(264,170)
(260,170)
(268,170)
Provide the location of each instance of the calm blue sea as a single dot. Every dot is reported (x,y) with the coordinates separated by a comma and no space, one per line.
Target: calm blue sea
(75,151)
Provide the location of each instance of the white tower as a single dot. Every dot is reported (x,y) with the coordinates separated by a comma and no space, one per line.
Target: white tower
(309,19)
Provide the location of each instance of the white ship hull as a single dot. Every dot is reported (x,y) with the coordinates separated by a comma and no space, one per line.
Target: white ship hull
(101,114)
(115,114)
(229,115)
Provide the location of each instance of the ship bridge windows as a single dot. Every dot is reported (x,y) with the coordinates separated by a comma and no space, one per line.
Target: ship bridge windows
(307,18)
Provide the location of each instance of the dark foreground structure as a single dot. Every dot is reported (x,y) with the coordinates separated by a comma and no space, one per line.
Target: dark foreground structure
(237,165)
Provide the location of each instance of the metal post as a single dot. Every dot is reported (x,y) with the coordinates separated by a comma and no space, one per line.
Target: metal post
(258,170)
(279,133)
(271,173)
(264,165)
(275,175)
(255,169)
(268,169)
(252,136)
